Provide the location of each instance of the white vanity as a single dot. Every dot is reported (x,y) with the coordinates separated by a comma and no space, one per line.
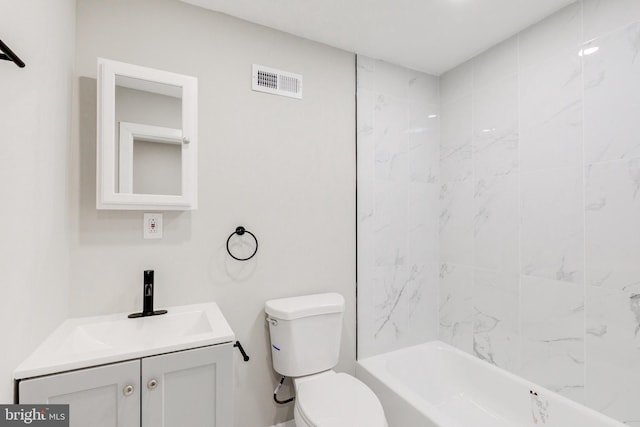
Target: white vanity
(170,370)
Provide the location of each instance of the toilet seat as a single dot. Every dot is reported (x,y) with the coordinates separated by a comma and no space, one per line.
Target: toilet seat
(338,400)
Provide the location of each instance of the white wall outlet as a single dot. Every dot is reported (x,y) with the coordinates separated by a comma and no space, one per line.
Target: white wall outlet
(152,226)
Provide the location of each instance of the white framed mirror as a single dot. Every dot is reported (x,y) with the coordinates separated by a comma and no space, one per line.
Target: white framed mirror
(147,138)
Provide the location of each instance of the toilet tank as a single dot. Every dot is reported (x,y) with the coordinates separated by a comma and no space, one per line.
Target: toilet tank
(305,333)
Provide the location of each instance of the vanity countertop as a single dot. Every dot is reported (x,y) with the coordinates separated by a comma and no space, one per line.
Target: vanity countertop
(90,341)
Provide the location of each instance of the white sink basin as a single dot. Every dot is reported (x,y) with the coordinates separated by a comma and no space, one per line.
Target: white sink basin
(90,341)
(127,332)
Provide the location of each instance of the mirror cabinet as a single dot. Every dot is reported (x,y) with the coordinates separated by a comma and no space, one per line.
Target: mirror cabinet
(147,138)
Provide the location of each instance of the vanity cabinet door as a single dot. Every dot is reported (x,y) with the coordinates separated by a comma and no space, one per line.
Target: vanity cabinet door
(188,388)
(105,396)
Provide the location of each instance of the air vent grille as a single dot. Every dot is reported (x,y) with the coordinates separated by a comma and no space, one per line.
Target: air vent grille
(276,82)
(266,79)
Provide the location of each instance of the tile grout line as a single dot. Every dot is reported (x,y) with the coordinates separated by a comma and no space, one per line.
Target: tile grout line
(439,209)
(473,207)
(518,199)
(584,217)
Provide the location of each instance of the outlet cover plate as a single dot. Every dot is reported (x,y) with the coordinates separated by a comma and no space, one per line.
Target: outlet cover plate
(152,226)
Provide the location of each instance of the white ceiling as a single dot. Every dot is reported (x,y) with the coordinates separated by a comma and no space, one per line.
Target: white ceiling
(427,35)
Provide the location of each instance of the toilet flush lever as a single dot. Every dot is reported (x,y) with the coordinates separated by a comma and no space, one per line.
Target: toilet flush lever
(272,322)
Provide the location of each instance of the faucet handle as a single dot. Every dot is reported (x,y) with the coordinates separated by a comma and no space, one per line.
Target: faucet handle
(148,277)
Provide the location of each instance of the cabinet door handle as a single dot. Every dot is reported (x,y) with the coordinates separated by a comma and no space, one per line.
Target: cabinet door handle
(152,384)
(128,390)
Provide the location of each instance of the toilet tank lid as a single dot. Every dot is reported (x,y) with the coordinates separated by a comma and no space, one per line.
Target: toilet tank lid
(304,306)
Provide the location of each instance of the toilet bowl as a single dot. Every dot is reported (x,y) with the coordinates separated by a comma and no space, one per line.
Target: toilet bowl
(305,337)
(336,400)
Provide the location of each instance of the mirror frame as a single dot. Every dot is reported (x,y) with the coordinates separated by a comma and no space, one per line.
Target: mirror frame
(107,192)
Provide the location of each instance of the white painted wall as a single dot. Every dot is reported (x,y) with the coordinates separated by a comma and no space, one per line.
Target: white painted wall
(540,231)
(398,192)
(35,120)
(284,168)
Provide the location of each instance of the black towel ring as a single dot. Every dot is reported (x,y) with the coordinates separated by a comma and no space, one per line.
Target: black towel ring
(240,231)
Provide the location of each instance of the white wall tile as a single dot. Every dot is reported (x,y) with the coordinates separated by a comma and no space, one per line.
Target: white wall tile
(495,318)
(612,96)
(423,222)
(552,327)
(604,16)
(423,261)
(424,306)
(613,353)
(612,203)
(497,63)
(456,222)
(456,83)
(456,306)
(384,78)
(553,187)
(391,121)
(365,70)
(398,214)
(495,127)
(552,225)
(556,35)
(495,223)
(367,344)
(422,300)
(424,120)
(390,219)
(423,87)
(456,133)
(390,319)
(551,114)
(424,142)
(366,102)
(403,307)
(366,225)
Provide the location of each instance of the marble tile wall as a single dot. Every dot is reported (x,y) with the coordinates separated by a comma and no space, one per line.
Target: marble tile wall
(540,205)
(398,172)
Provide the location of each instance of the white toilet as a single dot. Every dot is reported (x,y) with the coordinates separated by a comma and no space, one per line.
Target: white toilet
(305,344)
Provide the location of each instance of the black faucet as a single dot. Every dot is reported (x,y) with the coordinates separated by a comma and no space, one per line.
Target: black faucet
(147,298)
(147,295)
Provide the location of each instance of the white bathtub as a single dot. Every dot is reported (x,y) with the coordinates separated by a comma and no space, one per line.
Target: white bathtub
(437,385)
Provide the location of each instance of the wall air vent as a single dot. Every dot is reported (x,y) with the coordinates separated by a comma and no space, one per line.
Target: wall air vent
(277,82)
